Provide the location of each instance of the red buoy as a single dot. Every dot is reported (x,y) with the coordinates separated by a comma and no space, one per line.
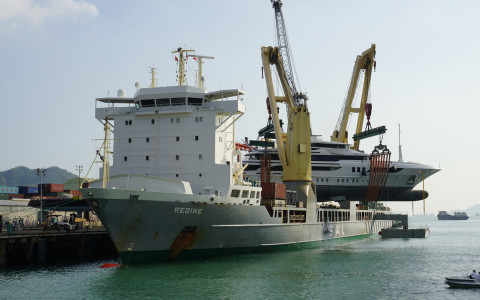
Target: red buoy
(110,265)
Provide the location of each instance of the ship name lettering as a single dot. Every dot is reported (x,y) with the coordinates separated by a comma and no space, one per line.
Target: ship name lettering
(188,210)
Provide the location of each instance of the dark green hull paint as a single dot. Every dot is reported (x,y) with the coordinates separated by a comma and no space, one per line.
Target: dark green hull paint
(149,257)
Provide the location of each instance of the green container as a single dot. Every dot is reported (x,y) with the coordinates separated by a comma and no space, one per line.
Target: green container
(9,229)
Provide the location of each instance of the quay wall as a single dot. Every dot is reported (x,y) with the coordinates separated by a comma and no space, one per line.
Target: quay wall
(40,247)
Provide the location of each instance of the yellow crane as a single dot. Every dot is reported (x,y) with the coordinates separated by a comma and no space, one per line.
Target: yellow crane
(363,63)
(294,149)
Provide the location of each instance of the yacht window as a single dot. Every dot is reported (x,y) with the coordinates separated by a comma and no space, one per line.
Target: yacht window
(153,121)
(244,194)
(124,158)
(178,120)
(220,139)
(200,174)
(126,122)
(201,119)
(178,101)
(252,194)
(172,120)
(129,122)
(163,102)
(177,157)
(235,193)
(200,156)
(258,195)
(148,140)
(353,169)
(196,137)
(129,141)
(411,179)
(178,138)
(358,169)
(338,180)
(147,157)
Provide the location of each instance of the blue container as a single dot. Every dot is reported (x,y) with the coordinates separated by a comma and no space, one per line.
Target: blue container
(28,190)
(8,190)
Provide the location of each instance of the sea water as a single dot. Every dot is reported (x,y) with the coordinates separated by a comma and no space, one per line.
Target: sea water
(372,268)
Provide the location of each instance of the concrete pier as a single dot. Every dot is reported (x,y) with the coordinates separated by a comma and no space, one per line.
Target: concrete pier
(39,247)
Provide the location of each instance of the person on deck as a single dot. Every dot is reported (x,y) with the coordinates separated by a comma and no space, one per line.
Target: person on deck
(474,275)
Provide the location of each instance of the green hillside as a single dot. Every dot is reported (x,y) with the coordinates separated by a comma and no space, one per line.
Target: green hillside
(23,176)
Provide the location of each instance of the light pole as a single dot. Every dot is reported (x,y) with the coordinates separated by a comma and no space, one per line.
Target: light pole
(79,169)
(41,173)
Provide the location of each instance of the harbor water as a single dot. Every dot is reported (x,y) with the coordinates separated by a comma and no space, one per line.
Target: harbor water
(371,268)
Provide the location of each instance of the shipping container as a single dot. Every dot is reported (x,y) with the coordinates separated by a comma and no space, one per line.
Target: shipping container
(8,190)
(28,190)
(20,196)
(3,196)
(274,191)
(51,188)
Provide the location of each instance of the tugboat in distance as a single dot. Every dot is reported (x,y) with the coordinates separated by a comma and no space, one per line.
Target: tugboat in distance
(443,215)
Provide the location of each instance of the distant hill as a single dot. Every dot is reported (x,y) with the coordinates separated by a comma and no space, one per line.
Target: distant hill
(23,176)
(473,210)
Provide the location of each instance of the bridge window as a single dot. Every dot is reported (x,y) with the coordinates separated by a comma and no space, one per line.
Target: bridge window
(195,101)
(163,102)
(235,193)
(244,194)
(178,101)
(148,103)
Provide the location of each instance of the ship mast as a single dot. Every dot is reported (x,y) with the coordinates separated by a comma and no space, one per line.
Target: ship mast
(106,155)
(199,80)
(182,80)
(400,157)
(154,81)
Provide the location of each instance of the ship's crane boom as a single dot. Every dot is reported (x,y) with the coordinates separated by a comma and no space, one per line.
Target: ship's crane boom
(294,148)
(284,50)
(364,62)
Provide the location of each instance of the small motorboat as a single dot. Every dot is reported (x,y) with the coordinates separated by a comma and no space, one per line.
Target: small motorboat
(462,282)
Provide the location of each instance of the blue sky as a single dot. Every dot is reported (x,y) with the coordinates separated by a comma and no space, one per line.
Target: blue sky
(57,56)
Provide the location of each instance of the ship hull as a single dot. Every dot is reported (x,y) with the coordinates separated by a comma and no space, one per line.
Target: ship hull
(442,218)
(155,226)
